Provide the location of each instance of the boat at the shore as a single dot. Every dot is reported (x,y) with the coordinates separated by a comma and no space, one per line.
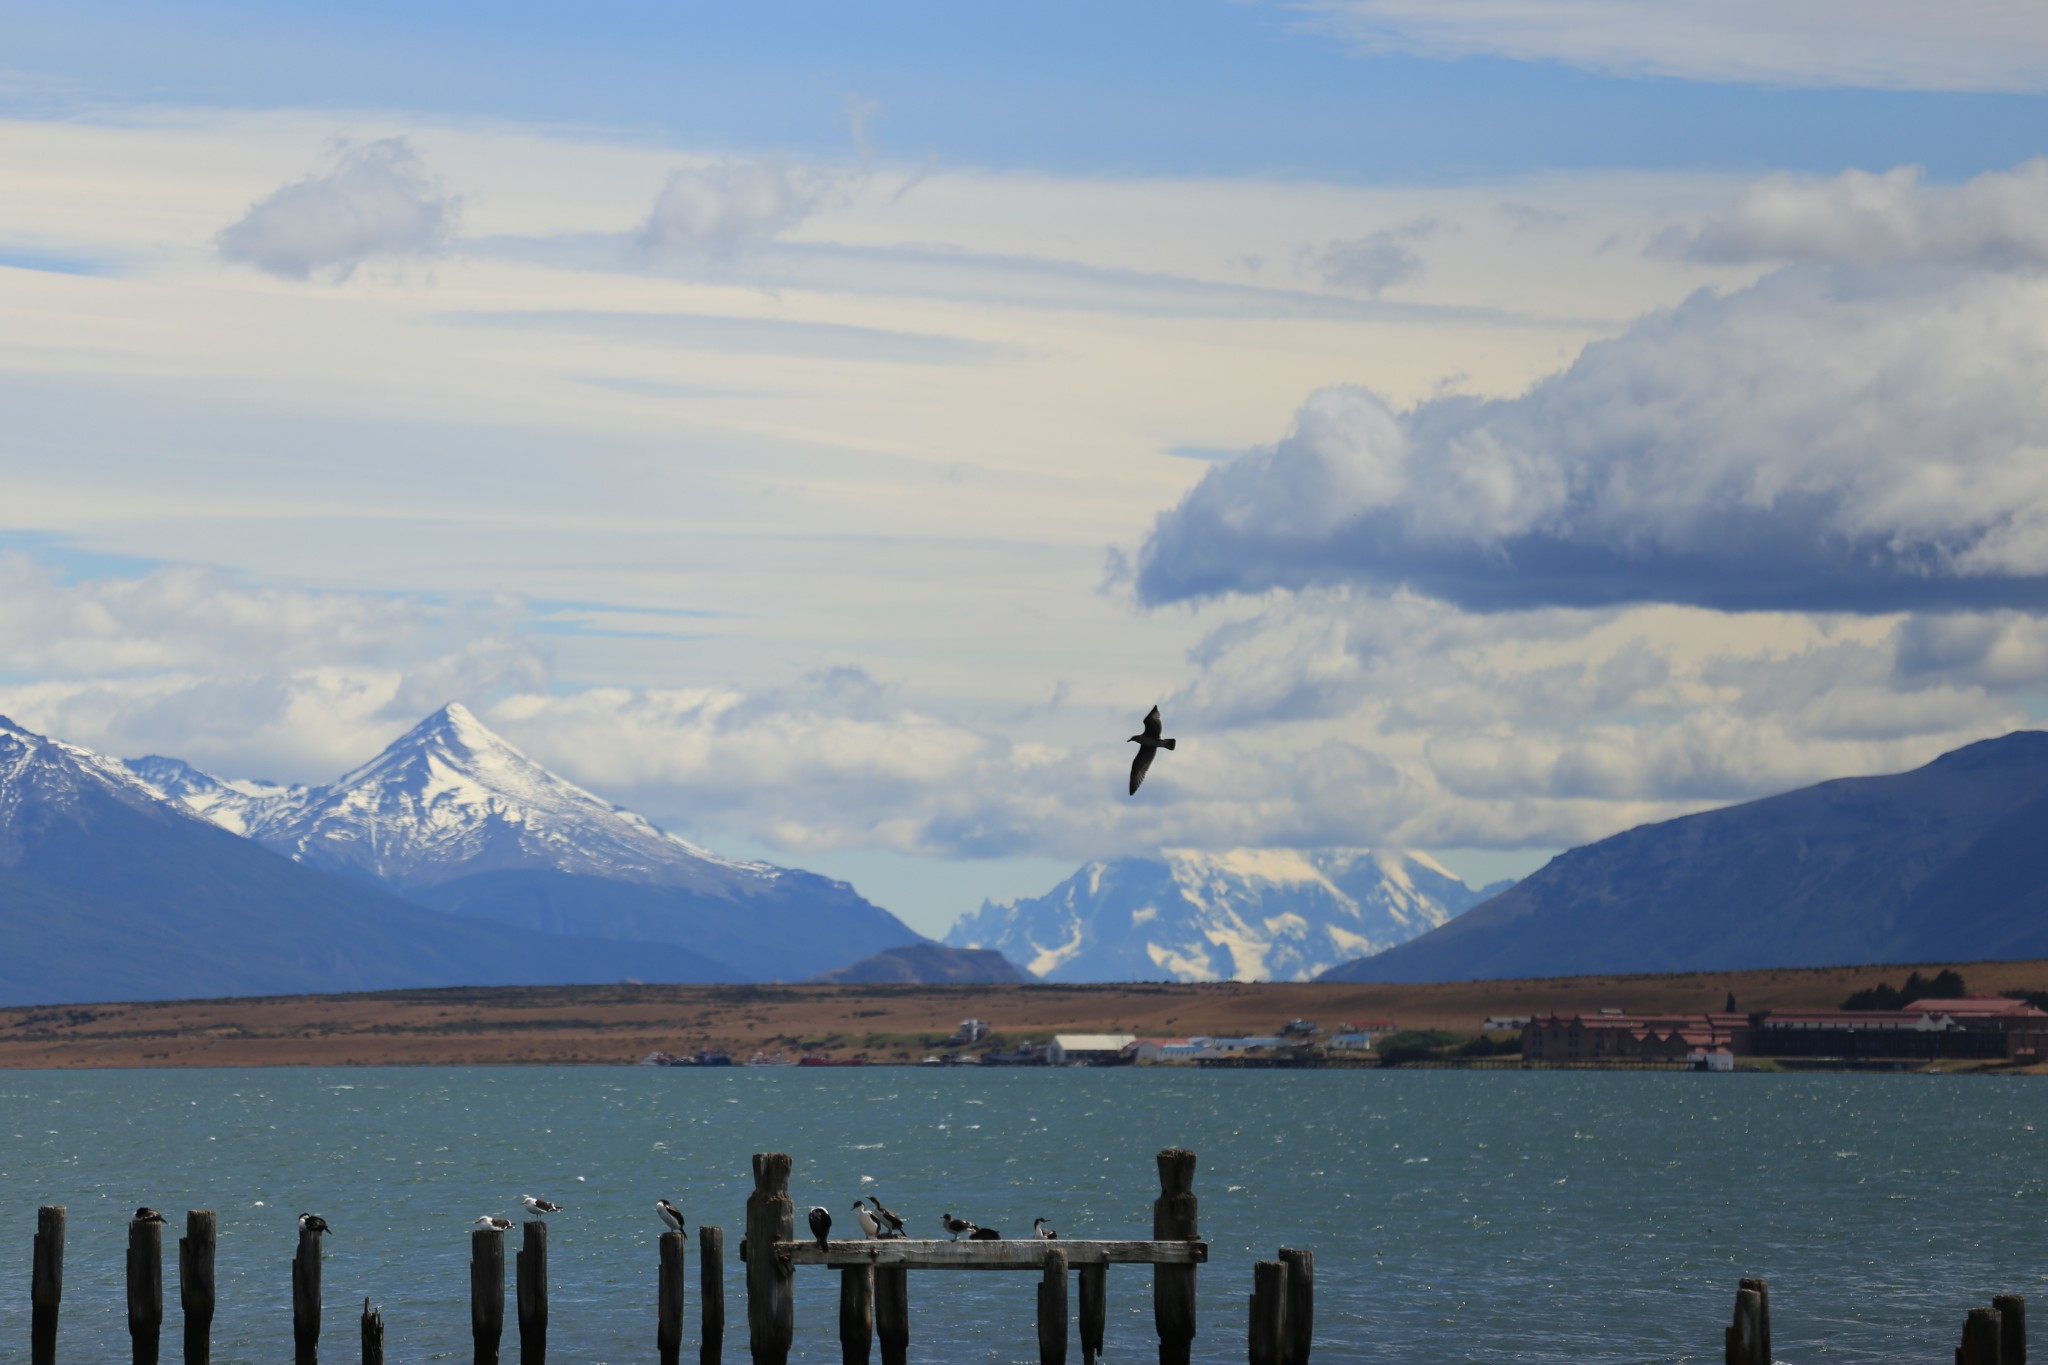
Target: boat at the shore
(769,1059)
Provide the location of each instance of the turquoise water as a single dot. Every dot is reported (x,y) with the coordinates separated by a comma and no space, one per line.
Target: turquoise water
(1539,1216)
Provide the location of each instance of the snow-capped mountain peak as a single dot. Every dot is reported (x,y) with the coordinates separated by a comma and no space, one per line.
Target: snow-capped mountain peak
(1246,914)
(41,774)
(236,805)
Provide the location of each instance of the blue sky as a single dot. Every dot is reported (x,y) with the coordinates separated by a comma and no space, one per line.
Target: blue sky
(776,417)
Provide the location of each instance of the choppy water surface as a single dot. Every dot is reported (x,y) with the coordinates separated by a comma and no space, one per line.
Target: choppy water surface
(1544,1216)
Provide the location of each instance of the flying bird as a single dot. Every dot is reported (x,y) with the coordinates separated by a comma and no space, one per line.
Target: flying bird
(821,1225)
(1149,743)
(870,1226)
(1042,1229)
(501,1224)
(981,1234)
(146,1214)
(956,1226)
(539,1208)
(894,1224)
(313,1222)
(670,1214)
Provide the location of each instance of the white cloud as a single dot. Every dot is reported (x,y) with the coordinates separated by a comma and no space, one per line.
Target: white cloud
(1825,439)
(377,202)
(731,207)
(1995,221)
(1883,44)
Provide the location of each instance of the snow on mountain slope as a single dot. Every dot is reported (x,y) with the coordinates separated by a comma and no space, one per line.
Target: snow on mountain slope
(451,799)
(41,777)
(1240,914)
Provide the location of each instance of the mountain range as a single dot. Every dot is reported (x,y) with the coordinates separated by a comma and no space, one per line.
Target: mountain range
(1946,863)
(1242,914)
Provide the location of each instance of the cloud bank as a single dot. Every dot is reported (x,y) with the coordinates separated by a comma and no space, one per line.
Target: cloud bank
(378,202)
(724,210)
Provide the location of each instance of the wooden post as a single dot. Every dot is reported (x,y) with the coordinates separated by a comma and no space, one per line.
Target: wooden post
(1301,1303)
(711,1289)
(1094,1307)
(1173,1286)
(771,1218)
(145,1289)
(195,1285)
(1269,1313)
(1052,1310)
(1743,1342)
(486,1293)
(2012,1329)
(373,1335)
(46,1284)
(1982,1333)
(668,1300)
(530,1269)
(1763,1315)
(856,1313)
(892,1314)
(306,1299)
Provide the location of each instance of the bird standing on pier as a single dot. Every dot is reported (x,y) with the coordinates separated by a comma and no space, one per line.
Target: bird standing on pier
(981,1234)
(313,1222)
(1043,1230)
(821,1225)
(539,1208)
(1149,743)
(870,1226)
(956,1226)
(670,1214)
(146,1214)
(892,1225)
(487,1221)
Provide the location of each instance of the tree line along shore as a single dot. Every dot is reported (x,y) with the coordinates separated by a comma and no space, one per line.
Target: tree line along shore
(620,1025)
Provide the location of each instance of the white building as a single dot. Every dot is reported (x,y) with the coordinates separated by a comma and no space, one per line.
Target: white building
(1089,1049)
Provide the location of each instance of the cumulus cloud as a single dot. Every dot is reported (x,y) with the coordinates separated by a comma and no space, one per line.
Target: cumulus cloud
(1377,261)
(1997,221)
(726,209)
(1826,439)
(378,201)
(1885,44)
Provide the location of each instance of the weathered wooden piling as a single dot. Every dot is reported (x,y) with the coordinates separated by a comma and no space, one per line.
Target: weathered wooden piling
(46,1284)
(1301,1303)
(195,1285)
(530,1269)
(1052,1310)
(771,1218)
(1763,1318)
(1268,1331)
(1173,1286)
(145,1289)
(373,1335)
(486,1293)
(306,1298)
(856,1313)
(1094,1309)
(711,1290)
(2012,1329)
(668,1300)
(1983,1333)
(892,1313)
(1743,1343)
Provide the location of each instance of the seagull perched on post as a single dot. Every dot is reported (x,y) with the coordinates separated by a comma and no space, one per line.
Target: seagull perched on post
(313,1222)
(956,1226)
(539,1208)
(670,1214)
(821,1225)
(489,1221)
(1149,743)
(892,1225)
(146,1214)
(1042,1229)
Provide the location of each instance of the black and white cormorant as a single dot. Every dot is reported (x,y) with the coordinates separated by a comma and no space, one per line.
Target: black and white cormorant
(821,1225)
(313,1222)
(146,1214)
(1149,743)
(981,1234)
(892,1225)
(1042,1229)
(670,1214)
(539,1208)
(870,1226)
